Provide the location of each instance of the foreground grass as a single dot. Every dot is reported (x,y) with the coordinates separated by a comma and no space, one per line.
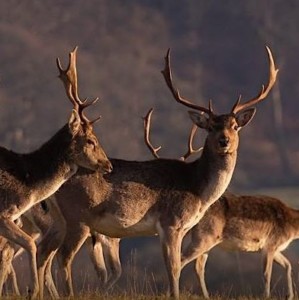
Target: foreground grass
(183,296)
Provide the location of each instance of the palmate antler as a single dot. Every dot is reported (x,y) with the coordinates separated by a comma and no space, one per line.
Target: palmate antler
(237,106)
(70,82)
(153,150)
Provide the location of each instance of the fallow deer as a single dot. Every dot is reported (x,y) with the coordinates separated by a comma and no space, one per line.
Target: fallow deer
(250,223)
(164,197)
(27,179)
(245,223)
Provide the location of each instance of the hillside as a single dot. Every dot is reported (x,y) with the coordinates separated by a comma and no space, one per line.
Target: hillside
(217,52)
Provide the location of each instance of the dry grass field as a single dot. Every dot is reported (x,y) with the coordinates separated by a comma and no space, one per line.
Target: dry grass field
(183,296)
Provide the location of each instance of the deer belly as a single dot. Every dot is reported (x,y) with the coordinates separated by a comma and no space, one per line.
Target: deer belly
(114,226)
(246,245)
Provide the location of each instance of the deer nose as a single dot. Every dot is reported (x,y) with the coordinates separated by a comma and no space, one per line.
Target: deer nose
(105,166)
(109,167)
(223,141)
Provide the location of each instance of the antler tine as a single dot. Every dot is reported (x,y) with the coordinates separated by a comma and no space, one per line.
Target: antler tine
(237,103)
(210,106)
(147,125)
(264,92)
(85,103)
(175,92)
(191,150)
(95,120)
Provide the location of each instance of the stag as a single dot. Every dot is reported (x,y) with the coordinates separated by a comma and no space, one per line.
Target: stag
(27,179)
(165,197)
(248,223)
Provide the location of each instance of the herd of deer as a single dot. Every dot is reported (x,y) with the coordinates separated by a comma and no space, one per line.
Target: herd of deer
(113,198)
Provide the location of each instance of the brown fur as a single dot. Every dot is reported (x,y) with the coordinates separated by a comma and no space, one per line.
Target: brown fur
(27,179)
(245,223)
(164,197)
(242,223)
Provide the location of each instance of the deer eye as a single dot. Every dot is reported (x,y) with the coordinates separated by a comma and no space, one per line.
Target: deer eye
(236,127)
(90,142)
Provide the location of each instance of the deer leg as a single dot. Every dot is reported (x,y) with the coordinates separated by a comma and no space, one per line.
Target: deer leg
(49,282)
(200,271)
(111,254)
(45,253)
(97,257)
(284,262)
(268,263)
(200,244)
(15,234)
(13,277)
(48,247)
(6,266)
(74,239)
(171,241)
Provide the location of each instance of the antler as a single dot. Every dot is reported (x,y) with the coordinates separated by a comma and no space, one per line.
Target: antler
(191,150)
(264,92)
(175,92)
(147,124)
(70,82)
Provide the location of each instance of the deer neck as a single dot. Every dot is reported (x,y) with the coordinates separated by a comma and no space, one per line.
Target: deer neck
(215,173)
(47,168)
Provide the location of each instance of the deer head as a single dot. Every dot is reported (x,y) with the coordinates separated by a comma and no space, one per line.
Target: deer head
(86,149)
(222,129)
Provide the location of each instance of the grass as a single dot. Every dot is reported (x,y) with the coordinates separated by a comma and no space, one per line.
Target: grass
(183,296)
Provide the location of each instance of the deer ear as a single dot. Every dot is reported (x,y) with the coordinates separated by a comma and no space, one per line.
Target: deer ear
(74,122)
(199,119)
(244,117)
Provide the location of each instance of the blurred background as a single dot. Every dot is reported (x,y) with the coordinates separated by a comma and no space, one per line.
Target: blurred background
(218,52)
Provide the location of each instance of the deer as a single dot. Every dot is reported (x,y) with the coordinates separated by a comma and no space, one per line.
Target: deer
(248,223)
(164,197)
(27,179)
